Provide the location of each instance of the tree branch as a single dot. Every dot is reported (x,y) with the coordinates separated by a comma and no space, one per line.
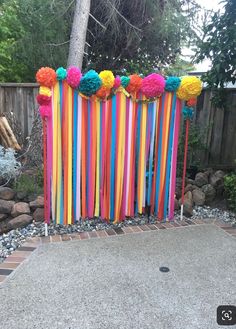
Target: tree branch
(99,23)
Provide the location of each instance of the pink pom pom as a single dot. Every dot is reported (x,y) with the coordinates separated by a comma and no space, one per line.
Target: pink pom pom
(73,76)
(153,85)
(45,111)
(117,82)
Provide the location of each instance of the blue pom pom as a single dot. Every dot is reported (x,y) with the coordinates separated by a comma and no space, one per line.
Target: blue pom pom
(188,112)
(125,81)
(90,83)
(61,73)
(172,83)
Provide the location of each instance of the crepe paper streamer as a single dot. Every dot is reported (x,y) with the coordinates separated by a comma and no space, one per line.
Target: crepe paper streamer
(111,158)
(45,169)
(185,165)
(174,159)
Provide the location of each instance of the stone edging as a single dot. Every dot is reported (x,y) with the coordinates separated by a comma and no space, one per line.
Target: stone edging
(22,253)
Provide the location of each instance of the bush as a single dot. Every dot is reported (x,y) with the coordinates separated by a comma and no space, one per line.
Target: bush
(9,166)
(230,188)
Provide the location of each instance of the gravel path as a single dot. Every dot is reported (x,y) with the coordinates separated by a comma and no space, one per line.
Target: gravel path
(15,238)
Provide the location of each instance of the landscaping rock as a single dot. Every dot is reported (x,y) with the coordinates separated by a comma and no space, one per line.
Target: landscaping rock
(2,217)
(7,193)
(215,180)
(20,208)
(201,179)
(188,188)
(198,197)
(21,195)
(19,221)
(4,226)
(210,193)
(6,206)
(38,203)
(188,204)
(38,215)
(220,173)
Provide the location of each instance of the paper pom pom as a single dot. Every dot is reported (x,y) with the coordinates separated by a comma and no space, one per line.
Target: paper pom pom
(46,77)
(73,76)
(45,91)
(188,112)
(125,81)
(153,85)
(61,73)
(107,78)
(190,87)
(172,83)
(45,111)
(117,82)
(134,84)
(43,99)
(102,92)
(192,102)
(90,83)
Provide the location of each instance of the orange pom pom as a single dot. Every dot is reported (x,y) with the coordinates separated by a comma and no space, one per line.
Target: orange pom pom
(46,77)
(192,102)
(102,92)
(134,84)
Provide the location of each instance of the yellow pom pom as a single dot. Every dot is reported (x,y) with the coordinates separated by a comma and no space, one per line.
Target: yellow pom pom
(190,87)
(45,91)
(107,78)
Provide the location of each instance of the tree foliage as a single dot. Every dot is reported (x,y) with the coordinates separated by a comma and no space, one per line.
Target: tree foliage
(125,36)
(219,45)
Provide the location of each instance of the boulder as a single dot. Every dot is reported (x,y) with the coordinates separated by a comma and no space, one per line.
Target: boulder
(19,221)
(6,206)
(178,192)
(198,197)
(215,180)
(210,193)
(6,193)
(220,174)
(188,204)
(21,195)
(38,203)
(38,215)
(188,188)
(20,208)
(208,172)
(4,226)
(2,217)
(201,179)
(191,181)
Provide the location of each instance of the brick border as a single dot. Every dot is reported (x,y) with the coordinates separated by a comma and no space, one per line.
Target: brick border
(22,253)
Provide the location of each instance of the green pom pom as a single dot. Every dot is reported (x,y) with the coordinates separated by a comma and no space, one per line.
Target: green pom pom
(125,81)
(61,73)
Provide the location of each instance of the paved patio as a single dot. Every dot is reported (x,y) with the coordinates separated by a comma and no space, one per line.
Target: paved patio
(115,282)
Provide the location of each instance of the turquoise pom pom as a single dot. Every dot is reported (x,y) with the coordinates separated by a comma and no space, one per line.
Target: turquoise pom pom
(90,83)
(61,73)
(172,83)
(188,112)
(125,81)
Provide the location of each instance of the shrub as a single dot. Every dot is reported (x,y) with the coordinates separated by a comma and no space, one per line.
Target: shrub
(230,188)
(9,166)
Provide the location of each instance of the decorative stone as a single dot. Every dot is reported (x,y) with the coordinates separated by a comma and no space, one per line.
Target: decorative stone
(198,197)
(220,173)
(215,180)
(6,206)
(188,188)
(21,195)
(191,181)
(7,193)
(188,204)
(176,205)
(19,221)
(2,217)
(201,179)
(38,203)
(38,215)
(20,208)
(210,192)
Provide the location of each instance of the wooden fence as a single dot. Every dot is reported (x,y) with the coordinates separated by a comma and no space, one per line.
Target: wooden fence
(219,124)
(220,130)
(20,99)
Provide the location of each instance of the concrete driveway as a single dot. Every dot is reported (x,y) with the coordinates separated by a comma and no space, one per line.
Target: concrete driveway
(115,282)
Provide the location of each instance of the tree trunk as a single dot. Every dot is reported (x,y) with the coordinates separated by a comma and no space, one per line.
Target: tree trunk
(78,33)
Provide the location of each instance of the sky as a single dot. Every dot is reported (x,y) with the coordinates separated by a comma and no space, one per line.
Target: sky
(210,5)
